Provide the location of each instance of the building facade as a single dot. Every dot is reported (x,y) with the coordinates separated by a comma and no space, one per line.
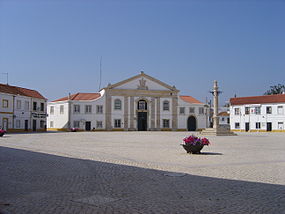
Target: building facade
(224,118)
(139,103)
(22,109)
(258,114)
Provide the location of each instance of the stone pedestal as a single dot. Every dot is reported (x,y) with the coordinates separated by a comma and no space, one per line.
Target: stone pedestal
(220,131)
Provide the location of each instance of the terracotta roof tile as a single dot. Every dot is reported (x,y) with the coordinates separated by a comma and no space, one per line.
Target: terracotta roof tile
(276,98)
(20,91)
(224,114)
(80,96)
(190,99)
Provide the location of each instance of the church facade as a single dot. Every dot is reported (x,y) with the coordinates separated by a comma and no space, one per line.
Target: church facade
(140,103)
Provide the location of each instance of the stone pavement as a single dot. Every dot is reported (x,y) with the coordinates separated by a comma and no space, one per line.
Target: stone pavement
(141,172)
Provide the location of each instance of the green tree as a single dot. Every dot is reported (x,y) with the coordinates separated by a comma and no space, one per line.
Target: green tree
(275,89)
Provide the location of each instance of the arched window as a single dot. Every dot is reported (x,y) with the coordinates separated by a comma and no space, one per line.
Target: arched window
(165,105)
(142,105)
(118,104)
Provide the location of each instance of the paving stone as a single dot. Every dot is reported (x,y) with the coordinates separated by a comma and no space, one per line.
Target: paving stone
(97,173)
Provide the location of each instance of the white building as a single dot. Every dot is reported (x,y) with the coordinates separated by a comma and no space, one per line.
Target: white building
(224,118)
(22,109)
(138,103)
(256,114)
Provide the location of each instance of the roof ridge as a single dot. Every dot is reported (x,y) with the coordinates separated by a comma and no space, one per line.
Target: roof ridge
(18,87)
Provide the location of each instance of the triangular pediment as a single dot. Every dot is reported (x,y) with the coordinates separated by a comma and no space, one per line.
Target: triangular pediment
(143,82)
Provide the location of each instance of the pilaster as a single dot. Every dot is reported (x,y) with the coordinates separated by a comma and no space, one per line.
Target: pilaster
(108,113)
(158,113)
(152,114)
(174,112)
(132,112)
(126,111)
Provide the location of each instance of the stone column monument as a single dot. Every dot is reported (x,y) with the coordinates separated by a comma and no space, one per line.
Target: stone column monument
(216,93)
(216,130)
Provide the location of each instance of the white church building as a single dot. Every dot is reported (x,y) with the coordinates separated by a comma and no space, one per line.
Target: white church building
(140,103)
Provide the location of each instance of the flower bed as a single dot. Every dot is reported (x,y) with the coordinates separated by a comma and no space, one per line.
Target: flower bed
(2,132)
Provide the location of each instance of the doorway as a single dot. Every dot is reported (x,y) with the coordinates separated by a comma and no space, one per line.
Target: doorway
(191,123)
(34,125)
(246,127)
(88,125)
(269,127)
(142,121)
(5,124)
(26,125)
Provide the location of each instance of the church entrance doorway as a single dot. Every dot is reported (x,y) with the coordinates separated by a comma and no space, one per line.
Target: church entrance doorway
(142,121)
(142,115)
(191,124)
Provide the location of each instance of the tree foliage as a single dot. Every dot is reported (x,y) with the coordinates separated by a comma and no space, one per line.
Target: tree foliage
(275,89)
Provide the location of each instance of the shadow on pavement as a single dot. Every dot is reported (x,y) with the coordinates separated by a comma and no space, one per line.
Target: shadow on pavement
(32,182)
(209,153)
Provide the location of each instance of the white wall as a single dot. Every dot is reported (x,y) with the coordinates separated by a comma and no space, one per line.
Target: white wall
(254,118)
(18,114)
(117,114)
(60,121)
(201,119)
(4,96)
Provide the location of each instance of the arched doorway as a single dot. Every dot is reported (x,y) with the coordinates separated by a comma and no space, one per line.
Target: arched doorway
(191,123)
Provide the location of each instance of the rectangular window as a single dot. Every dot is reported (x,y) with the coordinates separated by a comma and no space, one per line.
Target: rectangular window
(223,119)
(51,124)
(237,111)
(35,106)
(99,109)
(42,124)
(280,110)
(27,105)
(182,110)
(19,104)
(88,109)
(268,110)
(165,123)
(76,124)
(165,106)
(51,110)
(192,110)
(99,124)
(247,110)
(18,124)
(228,120)
(117,123)
(201,110)
(257,110)
(5,103)
(61,109)
(280,125)
(237,126)
(118,104)
(42,107)
(257,125)
(76,109)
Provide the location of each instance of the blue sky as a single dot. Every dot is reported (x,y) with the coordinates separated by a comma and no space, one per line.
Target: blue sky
(55,46)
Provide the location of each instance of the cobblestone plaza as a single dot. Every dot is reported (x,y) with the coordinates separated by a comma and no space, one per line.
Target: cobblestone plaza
(141,172)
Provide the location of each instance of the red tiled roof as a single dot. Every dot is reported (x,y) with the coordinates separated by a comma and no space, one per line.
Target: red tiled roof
(20,91)
(223,114)
(276,98)
(190,99)
(80,96)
